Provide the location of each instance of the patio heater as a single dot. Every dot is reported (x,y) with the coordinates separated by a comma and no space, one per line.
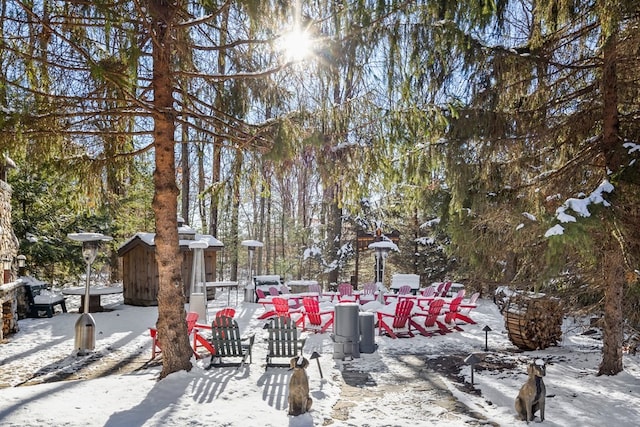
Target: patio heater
(249,289)
(382,249)
(85,339)
(198,288)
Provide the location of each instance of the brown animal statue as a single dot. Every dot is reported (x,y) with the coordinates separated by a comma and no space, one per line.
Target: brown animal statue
(531,397)
(299,400)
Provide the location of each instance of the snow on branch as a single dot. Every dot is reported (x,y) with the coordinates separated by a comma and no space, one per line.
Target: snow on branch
(580,207)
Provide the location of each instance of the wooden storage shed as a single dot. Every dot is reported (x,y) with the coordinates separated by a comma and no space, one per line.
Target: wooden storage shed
(140,271)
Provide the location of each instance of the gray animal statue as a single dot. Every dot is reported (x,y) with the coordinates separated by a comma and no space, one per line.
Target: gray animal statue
(531,397)
(299,400)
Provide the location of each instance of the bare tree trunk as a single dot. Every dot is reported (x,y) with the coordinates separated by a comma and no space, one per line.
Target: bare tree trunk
(171,325)
(613,277)
(613,262)
(202,208)
(334,229)
(186,173)
(261,226)
(268,240)
(217,141)
(214,205)
(235,212)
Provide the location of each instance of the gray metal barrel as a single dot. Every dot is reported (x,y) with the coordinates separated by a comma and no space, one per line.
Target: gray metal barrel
(346,327)
(367,332)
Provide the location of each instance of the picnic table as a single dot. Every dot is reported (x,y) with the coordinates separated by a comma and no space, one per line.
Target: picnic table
(95,293)
(223,285)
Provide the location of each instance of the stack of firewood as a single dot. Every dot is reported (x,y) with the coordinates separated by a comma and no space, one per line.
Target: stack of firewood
(534,321)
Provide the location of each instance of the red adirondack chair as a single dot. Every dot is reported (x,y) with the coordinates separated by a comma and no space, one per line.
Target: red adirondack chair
(396,324)
(313,319)
(191,320)
(228,312)
(429,291)
(464,309)
(368,293)
(345,293)
(262,299)
(200,340)
(445,289)
(430,324)
(282,308)
(261,295)
(452,313)
(317,289)
(404,290)
(273,291)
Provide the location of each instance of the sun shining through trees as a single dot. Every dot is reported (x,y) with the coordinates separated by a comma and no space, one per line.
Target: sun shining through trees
(296,45)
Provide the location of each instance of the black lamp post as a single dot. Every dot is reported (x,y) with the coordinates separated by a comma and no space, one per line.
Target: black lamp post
(486,330)
(316,355)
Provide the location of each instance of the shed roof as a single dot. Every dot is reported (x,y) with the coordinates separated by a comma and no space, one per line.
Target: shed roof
(148,239)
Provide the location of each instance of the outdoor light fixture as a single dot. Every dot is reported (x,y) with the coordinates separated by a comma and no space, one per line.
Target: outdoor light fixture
(486,330)
(6,266)
(22,262)
(472,360)
(316,355)
(85,339)
(249,294)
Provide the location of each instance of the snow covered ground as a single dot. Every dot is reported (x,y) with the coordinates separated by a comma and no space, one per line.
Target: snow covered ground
(407,381)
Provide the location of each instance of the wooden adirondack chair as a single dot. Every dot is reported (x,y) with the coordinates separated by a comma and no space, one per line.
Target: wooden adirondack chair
(396,324)
(452,313)
(345,293)
(368,293)
(283,341)
(273,291)
(200,340)
(427,323)
(429,291)
(460,293)
(191,320)
(404,290)
(283,307)
(261,295)
(227,311)
(262,299)
(315,288)
(445,289)
(313,319)
(227,342)
(464,308)
(467,306)
(425,298)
